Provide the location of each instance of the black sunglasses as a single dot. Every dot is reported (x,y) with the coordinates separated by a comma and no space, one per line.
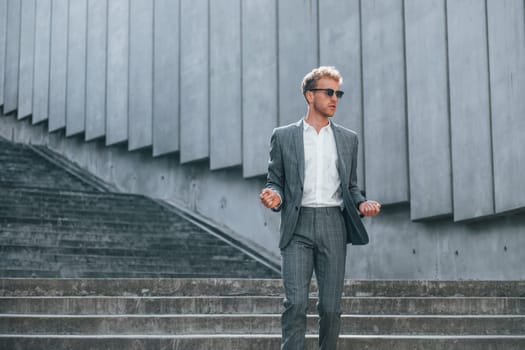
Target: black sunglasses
(330,92)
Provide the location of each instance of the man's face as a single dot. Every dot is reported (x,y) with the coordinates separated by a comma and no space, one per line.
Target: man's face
(321,102)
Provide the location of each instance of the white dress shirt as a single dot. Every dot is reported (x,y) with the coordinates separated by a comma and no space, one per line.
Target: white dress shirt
(321,186)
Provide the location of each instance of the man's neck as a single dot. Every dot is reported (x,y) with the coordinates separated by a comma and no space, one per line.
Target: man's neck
(316,121)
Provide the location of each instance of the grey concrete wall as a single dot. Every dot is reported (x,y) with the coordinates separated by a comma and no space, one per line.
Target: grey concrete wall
(434,89)
(225,84)
(194,81)
(340,46)
(140,98)
(298,54)
(3,37)
(12,55)
(96,56)
(401,248)
(384,99)
(76,68)
(58,65)
(506,42)
(27,58)
(166,68)
(470,110)
(259,83)
(427,109)
(117,72)
(42,59)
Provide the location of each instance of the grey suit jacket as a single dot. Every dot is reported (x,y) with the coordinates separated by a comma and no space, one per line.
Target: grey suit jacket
(286,177)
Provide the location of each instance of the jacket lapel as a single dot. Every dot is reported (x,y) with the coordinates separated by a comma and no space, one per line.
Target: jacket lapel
(299,148)
(342,150)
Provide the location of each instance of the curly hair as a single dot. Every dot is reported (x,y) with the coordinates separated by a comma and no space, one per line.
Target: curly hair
(311,78)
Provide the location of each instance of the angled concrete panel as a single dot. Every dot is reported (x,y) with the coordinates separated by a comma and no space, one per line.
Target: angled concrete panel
(117,72)
(385,125)
(225,84)
(340,46)
(298,54)
(42,57)
(12,56)
(470,110)
(259,83)
(96,69)
(166,77)
(27,59)
(76,68)
(140,74)
(427,108)
(506,34)
(3,38)
(58,64)
(194,80)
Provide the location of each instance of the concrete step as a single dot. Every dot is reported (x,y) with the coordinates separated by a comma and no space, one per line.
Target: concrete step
(79,203)
(260,272)
(82,198)
(14,272)
(85,195)
(256,342)
(75,265)
(159,246)
(9,148)
(252,287)
(184,253)
(14,171)
(256,304)
(170,253)
(154,267)
(21,166)
(111,240)
(21,162)
(79,223)
(155,324)
(87,219)
(72,210)
(245,313)
(110,268)
(48,180)
(65,226)
(19,232)
(58,200)
(86,229)
(87,216)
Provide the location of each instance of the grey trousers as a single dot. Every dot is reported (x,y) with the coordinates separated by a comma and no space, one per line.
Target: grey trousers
(318,244)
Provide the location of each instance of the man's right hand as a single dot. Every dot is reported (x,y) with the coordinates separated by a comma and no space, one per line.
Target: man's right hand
(269,198)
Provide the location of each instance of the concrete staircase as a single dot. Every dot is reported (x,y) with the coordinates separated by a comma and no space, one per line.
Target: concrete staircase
(55,233)
(55,224)
(244,314)
(20,166)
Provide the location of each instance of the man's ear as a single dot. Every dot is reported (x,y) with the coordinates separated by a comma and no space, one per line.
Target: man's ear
(308,95)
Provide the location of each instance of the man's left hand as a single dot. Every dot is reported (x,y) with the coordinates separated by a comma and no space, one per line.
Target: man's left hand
(369,208)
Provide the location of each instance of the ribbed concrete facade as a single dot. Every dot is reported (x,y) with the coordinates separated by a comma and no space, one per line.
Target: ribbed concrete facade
(178,99)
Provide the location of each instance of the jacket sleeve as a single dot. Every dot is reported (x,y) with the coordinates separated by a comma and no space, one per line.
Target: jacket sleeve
(275,178)
(355,191)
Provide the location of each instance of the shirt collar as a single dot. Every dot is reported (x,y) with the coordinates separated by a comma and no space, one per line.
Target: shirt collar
(306,126)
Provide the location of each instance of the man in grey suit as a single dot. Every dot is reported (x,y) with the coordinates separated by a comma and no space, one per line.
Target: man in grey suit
(312,181)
